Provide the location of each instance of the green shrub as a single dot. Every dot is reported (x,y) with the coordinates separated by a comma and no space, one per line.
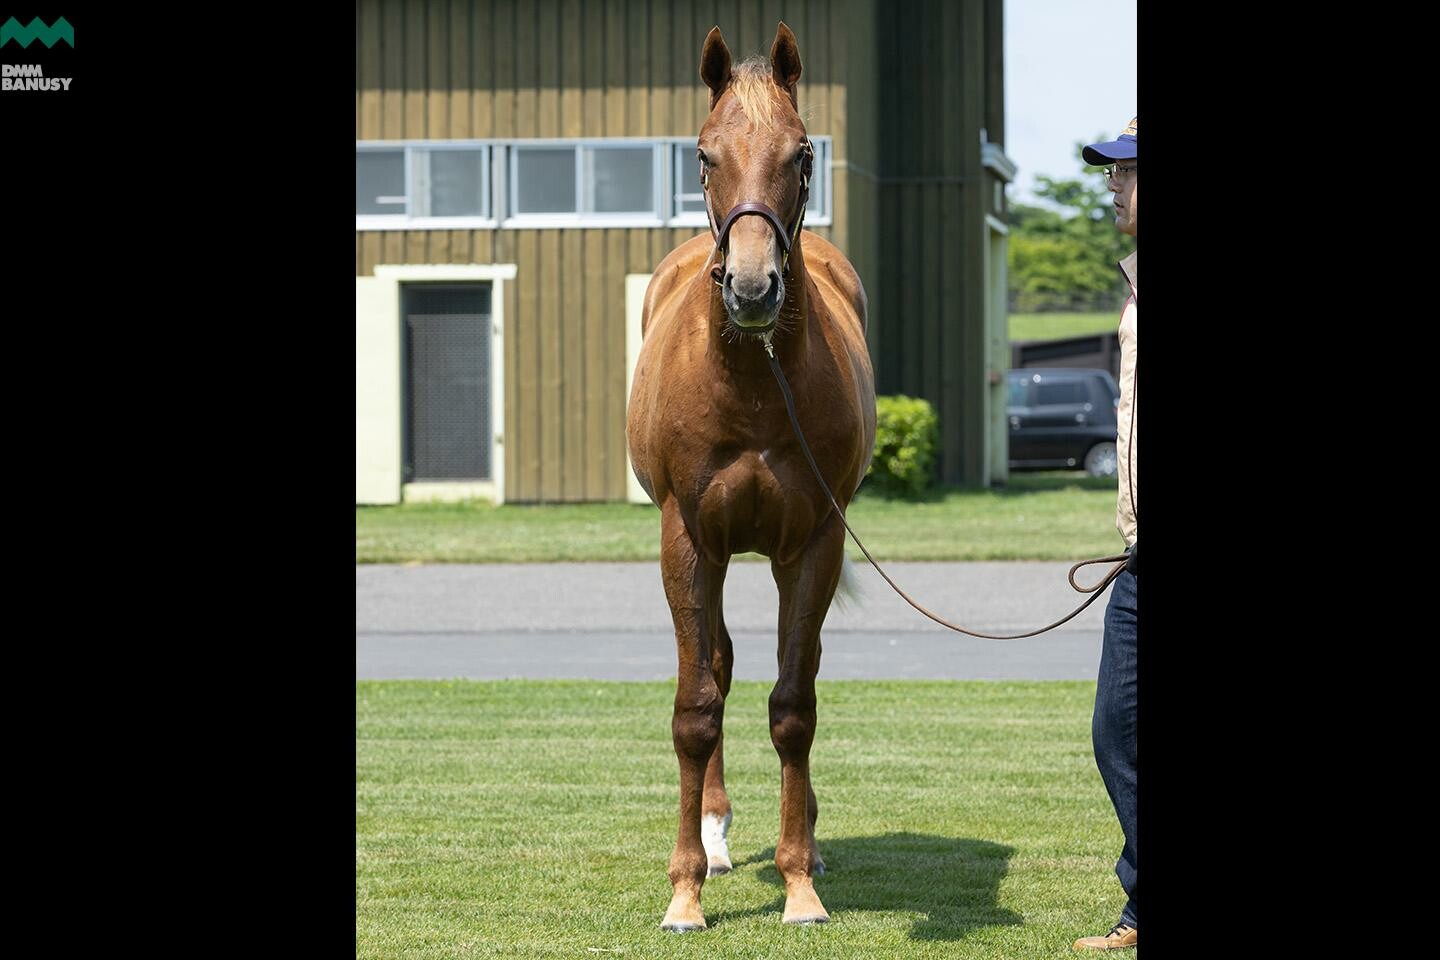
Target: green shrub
(907,440)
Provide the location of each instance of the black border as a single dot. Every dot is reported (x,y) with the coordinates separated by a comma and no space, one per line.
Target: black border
(262,566)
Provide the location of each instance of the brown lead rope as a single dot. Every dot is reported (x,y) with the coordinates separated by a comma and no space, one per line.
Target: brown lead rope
(1119,560)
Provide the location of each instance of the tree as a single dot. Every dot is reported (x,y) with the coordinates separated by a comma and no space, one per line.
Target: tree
(1063,257)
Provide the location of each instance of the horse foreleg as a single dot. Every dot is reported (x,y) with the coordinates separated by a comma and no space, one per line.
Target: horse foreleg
(806,588)
(715,822)
(692,588)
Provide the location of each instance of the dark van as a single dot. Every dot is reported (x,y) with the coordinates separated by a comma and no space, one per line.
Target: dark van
(1063,417)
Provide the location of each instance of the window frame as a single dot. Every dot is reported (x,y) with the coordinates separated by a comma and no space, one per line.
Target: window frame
(500,186)
(407,221)
(514,220)
(486,163)
(404,214)
(697,218)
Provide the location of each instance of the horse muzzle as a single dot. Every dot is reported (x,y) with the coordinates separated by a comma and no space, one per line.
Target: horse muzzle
(752,299)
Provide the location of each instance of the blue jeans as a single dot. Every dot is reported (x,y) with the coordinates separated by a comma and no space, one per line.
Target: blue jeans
(1113,728)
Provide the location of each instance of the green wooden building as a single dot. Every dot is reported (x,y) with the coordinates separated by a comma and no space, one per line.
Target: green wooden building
(518,160)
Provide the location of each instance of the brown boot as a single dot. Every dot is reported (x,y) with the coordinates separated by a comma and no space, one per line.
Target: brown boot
(1119,938)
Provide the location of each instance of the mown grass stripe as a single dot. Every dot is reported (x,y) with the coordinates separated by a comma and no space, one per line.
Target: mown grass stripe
(1035,516)
(535,818)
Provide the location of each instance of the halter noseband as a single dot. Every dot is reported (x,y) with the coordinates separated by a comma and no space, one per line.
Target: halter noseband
(787,237)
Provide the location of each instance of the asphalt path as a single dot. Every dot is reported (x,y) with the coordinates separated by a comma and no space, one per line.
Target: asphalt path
(609,621)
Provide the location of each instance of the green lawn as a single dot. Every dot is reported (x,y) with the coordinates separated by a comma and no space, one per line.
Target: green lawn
(1037,516)
(530,818)
(1057,326)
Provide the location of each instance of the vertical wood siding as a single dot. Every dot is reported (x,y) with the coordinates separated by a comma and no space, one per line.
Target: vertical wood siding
(452,69)
(919,89)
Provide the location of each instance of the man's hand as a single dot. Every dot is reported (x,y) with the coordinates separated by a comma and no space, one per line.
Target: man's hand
(1133,564)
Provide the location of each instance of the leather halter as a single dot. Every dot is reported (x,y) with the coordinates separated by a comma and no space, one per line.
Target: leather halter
(786,236)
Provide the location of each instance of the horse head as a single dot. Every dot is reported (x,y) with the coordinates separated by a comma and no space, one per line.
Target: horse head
(755,172)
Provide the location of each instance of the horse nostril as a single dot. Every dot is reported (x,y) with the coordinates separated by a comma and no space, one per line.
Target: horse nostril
(748,288)
(774,285)
(729,280)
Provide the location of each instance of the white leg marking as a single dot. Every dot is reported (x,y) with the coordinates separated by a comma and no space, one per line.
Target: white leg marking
(713,831)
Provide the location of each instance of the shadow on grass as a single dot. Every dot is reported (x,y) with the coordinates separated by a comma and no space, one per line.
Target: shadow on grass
(954,882)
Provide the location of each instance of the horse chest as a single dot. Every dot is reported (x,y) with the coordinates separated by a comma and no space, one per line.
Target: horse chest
(752,502)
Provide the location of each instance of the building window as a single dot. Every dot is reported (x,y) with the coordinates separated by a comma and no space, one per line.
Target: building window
(817,209)
(379,182)
(689,196)
(544,180)
(524,184)
(618,179)
(455,183)
(689,199)
(409,186)
(585,184)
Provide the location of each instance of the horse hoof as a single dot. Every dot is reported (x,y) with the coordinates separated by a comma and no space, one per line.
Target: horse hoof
(817,869)
(803,906)
(684,914)
(719,867)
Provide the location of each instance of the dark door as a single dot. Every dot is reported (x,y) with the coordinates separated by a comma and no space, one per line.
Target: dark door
(447,383)
(1060,417)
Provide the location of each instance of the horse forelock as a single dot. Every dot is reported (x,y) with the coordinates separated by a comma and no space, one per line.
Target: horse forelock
(755,88)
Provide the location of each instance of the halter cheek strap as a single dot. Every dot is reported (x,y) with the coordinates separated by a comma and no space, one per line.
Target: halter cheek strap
(787,238)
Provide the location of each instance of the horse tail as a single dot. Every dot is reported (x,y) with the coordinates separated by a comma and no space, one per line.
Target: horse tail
(848,592)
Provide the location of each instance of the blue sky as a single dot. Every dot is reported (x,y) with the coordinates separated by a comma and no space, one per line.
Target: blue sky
(1069,75)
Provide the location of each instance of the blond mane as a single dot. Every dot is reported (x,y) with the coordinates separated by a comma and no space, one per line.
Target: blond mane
(754,87)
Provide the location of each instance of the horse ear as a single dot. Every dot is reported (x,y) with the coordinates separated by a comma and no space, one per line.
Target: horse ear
(715,65)
(785,61)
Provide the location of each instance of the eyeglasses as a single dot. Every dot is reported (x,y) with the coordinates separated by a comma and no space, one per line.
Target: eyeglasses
(1117,173)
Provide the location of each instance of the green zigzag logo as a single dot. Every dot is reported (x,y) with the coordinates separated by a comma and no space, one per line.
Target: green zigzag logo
(61,30)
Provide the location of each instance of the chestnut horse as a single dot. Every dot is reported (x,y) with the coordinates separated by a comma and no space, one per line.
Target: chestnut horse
(711,445)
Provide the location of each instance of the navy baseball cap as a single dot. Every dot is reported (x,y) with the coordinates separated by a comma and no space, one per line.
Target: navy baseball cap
(1099,154)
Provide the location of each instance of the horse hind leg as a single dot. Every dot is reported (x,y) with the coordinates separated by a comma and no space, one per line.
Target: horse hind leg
(717,813)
